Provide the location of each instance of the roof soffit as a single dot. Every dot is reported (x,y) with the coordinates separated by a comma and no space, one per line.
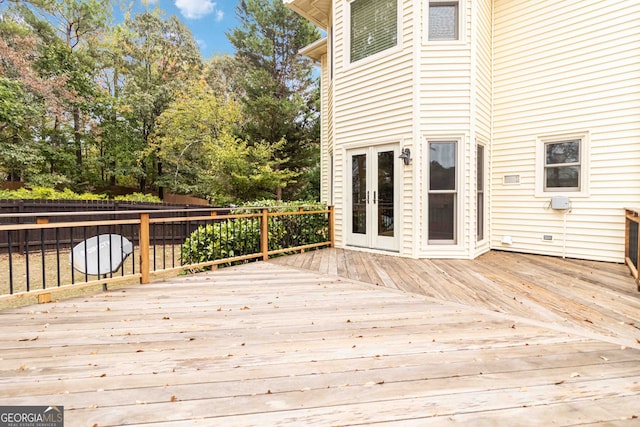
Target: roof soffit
(315,50)
(316,11)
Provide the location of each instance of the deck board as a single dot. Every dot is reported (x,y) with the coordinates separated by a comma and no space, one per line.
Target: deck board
(586,295)
(275,344)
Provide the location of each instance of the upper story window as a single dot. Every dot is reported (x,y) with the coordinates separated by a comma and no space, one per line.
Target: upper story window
(374,27)
(444,20)
(562,165)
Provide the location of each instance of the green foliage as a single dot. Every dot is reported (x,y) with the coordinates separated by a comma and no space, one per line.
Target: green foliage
(87,105)
(279,92)
(195,142)
(48,194)
(279,205)
(15,106)
(162,58)
(241,236)
(223,239)
(139,197)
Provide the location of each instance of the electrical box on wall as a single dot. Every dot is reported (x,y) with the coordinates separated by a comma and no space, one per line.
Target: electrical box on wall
(560,203)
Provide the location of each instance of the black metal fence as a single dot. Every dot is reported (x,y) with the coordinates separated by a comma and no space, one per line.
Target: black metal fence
(40,256)
(58,211)
(632,243)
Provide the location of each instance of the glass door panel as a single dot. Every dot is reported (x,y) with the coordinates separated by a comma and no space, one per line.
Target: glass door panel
(385,193)
(371,208)
(359,194)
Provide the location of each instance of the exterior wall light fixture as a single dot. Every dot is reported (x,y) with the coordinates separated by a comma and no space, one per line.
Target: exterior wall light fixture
(405,156)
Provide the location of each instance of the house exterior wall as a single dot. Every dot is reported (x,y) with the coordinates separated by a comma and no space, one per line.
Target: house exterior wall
(522,73)
(445,114)
(325,135)
(373,104)
(481,113)
(567,67)
(455,103)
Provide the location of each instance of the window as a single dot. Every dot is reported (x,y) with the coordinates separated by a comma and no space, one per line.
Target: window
(374,27)
(480,193)
(442,191)
(443,20)
(562,165)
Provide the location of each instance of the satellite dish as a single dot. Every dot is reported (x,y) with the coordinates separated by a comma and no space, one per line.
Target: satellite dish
(101,254)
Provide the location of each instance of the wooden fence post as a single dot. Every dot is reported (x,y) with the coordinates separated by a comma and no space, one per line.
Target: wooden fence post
(331,219)
(301,209)
(264,234)
(144,248)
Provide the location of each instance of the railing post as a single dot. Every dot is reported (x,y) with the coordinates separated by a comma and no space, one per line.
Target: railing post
(638,257)
(144,248)
(627,230)
(331,227)
(264,234)
(301,209)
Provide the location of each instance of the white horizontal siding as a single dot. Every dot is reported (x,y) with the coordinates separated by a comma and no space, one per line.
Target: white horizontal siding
(324,130)
(445,111)
(563,67)
(373,103)
(481,110)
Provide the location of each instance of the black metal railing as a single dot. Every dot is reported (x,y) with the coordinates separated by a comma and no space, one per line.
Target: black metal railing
(38,258)
(632,244)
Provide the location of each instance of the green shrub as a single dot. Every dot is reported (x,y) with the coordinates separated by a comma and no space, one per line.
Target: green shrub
(139,197)
(47,193)
(241,236)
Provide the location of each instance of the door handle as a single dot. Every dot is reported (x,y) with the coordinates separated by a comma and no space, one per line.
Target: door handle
(367,197)
(374,198)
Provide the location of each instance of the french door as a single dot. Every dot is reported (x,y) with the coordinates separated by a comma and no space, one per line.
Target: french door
(372,214)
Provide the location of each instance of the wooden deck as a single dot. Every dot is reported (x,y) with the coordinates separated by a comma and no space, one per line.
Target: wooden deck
(593,297)
(268,344)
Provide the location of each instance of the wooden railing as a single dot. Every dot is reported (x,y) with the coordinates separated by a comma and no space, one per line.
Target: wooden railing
(632,242)
(36,257)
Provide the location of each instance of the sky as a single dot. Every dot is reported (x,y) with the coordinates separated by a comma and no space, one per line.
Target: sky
(208,20)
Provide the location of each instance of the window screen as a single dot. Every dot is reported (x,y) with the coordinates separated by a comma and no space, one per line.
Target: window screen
(374,27)
(443,20)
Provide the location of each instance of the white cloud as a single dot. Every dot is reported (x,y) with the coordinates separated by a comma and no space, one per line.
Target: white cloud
(196,9)
(219,15)
(202,44)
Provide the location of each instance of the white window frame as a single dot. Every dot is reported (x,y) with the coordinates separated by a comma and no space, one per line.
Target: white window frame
(461,21)
(347,38)
(541,166)
(458,191)
(483,192)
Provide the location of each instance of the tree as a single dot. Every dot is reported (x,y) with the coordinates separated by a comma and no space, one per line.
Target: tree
(47,49)
(20,50)
(70,30)
(162,57)
(225,74)
(194,139)
(30,95)
(279,97)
